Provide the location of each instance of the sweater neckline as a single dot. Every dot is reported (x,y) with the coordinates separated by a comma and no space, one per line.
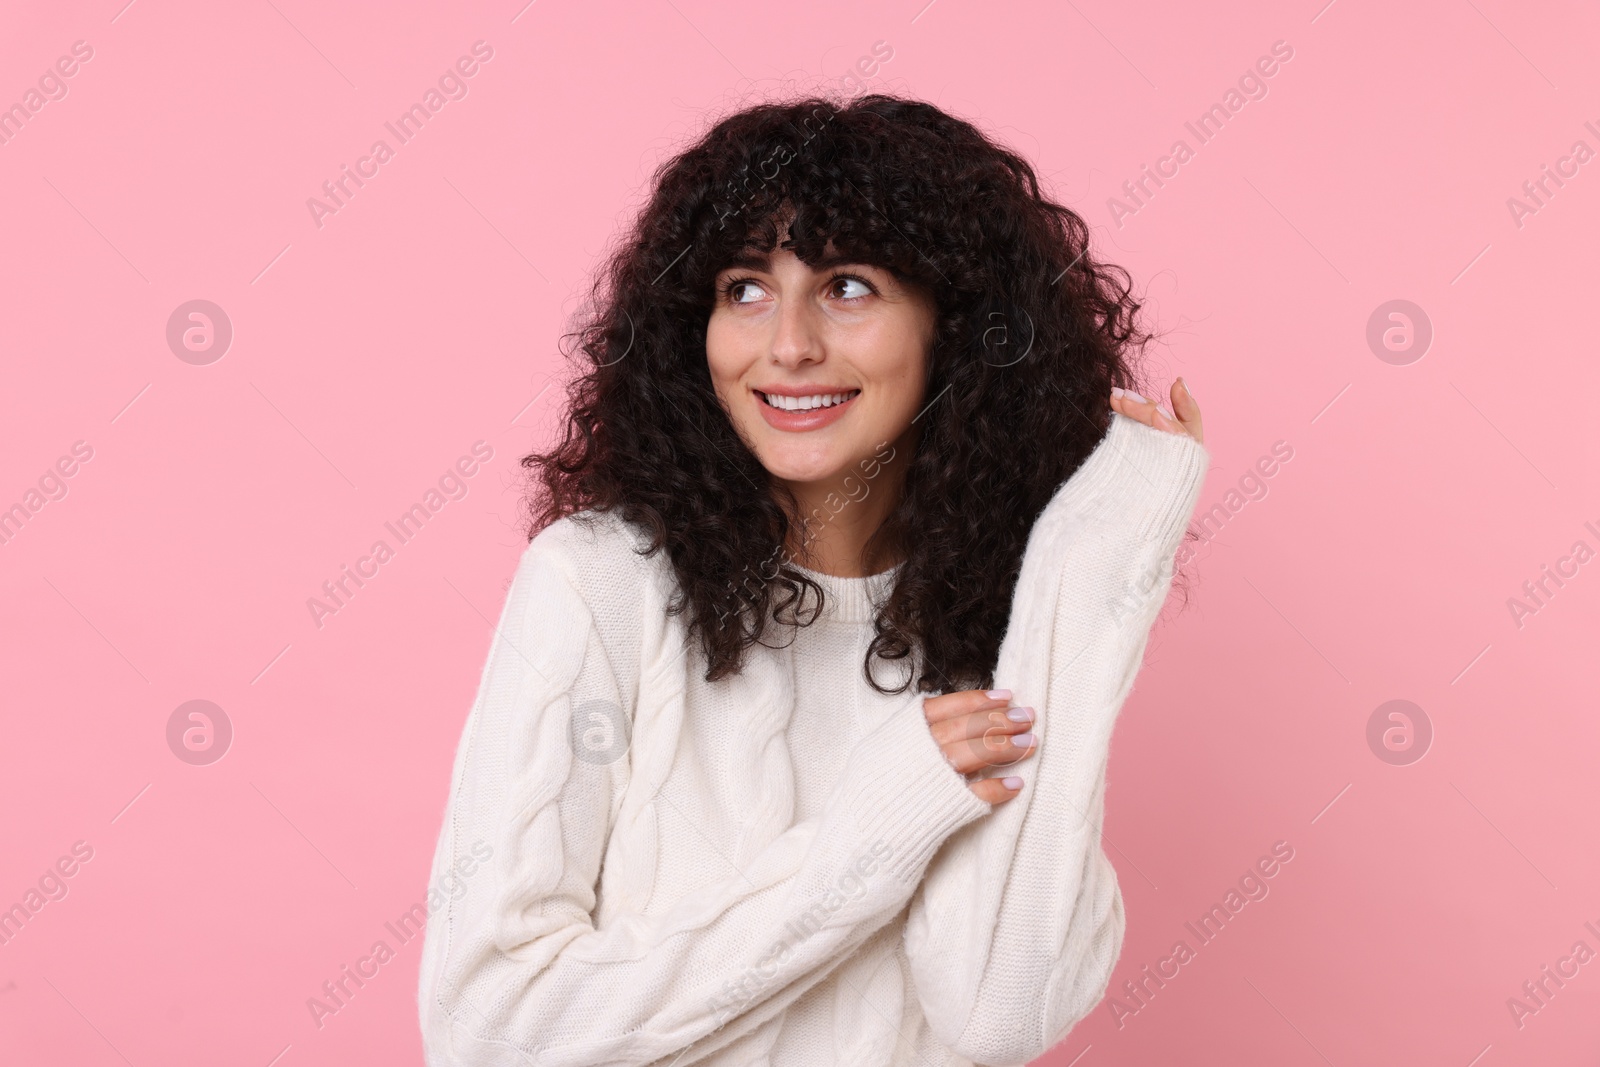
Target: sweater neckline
(852,600)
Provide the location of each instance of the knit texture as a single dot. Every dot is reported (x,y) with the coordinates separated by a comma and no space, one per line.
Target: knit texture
(780,868)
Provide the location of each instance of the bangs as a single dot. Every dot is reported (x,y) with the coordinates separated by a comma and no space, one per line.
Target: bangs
(821,252)
(782,185)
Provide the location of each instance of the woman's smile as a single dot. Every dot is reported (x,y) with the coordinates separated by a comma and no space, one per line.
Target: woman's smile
(801,408)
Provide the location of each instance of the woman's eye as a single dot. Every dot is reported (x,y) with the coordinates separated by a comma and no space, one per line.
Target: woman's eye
(851,288)
(744,292)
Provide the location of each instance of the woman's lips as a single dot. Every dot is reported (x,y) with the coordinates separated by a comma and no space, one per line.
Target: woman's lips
(802,421)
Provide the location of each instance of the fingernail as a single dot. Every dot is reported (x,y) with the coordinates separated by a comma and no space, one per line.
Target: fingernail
(1128,394)
(1167,414)
(1185,386)
(1011,782)
(1023,741)
(998,694)
(1020,714)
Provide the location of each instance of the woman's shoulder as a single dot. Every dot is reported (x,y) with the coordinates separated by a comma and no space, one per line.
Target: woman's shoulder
(582,587)
(602,555)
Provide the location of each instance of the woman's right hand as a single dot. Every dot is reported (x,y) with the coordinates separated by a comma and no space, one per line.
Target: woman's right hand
(977,729)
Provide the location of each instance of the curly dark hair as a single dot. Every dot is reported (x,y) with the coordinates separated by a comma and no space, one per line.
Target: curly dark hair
(1032,333)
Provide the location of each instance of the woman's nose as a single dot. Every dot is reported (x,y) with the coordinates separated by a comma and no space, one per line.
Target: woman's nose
(795,339)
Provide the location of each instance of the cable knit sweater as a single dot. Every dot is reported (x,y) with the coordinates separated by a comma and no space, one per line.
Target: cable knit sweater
(781,868)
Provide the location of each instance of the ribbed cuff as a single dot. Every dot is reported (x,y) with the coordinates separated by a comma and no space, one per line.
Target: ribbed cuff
(1140,474)
(901,789)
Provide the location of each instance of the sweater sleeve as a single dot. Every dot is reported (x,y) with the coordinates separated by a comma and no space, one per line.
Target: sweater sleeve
(516,970)
(1014,932)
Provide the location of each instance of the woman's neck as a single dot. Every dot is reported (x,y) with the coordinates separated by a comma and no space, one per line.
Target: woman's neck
(840,515)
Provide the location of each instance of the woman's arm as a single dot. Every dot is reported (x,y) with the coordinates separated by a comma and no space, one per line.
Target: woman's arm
(1017,925)
(516,971)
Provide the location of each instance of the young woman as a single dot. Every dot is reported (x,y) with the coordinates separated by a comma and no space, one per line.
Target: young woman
(791,743)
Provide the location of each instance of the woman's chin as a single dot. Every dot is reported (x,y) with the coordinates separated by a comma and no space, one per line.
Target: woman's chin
(803,471)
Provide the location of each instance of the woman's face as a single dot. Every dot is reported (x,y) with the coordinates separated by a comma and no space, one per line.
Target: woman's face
(817,368)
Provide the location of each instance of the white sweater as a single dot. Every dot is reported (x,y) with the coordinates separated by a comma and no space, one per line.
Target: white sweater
(780,868)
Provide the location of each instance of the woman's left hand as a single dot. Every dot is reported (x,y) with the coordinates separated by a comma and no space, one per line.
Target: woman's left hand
(1183,417)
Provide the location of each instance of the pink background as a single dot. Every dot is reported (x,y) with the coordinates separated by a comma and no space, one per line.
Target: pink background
(370,353)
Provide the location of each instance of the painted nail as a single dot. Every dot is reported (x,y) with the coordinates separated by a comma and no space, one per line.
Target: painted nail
(998,694)
(1168,415)
(1020,714)
(1185,386)
(1011,782)
(1133,396)
(1023,741)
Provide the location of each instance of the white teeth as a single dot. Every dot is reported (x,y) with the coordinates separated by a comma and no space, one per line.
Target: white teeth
(806,403)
